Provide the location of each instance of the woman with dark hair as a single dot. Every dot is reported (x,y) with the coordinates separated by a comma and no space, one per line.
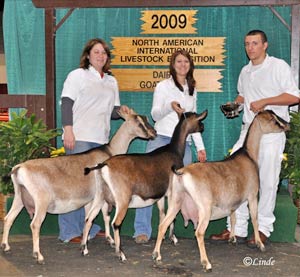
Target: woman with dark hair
(89,100)
(172,96)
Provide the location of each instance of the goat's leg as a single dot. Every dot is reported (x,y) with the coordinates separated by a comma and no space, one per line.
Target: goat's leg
(252,202)
(161,208)
(39,216)
(172,236)
(232,238)
(116,224)
(173,209)
(9,219)
(90,215)
(106,219)
(200,232)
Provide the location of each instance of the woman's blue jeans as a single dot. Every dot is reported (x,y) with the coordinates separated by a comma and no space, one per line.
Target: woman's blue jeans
(143,216)
(71,224)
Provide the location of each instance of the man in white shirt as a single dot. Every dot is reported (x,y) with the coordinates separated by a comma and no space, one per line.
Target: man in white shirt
(264,83)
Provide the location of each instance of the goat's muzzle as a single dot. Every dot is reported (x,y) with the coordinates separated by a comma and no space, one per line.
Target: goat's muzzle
(152,134)
(287,127)
(201,127)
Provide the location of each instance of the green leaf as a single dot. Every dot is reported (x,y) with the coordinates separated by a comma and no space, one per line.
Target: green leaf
(22,138)
(291,168)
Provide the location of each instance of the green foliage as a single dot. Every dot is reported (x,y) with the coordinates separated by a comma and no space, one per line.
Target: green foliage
(291,165)
(21,139)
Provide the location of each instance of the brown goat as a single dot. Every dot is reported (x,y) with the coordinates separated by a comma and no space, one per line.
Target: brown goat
(218,188)
(139,180)
(58,185)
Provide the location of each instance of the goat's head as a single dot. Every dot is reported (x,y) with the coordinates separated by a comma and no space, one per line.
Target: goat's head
(269,122)
(140,126)
(193,121)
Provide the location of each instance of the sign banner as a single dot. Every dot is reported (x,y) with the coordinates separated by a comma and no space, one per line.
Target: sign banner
(157,50)
(168,22)
(208,80)
(150,55)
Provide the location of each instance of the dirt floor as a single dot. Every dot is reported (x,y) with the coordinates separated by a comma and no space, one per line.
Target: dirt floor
(280,259)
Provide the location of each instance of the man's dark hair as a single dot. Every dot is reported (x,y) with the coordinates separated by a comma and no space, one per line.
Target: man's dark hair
(258,32)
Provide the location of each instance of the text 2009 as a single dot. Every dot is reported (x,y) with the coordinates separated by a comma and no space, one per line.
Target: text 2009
(173,21)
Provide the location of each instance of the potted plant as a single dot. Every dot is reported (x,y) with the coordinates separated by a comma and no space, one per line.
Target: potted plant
(22,138)
(291,163)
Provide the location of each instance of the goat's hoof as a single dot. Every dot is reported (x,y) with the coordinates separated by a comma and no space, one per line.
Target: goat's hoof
(122,257)
(174,240)
(232,240)
(111,242)
(208,270)
(5,248)
(38,257)
(84,252)
(156,257)
(206,266)
(35,255)
(262,248)
(41,262)
(6,252)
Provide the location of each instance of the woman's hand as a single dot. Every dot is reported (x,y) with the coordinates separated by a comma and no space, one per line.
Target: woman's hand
(177,108)
(69,138)
(201,156)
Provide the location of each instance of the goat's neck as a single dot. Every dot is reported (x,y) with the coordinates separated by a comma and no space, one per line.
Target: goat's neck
(120,141)
(252,140)
(178,139)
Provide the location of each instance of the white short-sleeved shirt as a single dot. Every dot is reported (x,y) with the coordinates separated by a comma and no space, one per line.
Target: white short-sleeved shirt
(165,117)
(271,78)
(94,99)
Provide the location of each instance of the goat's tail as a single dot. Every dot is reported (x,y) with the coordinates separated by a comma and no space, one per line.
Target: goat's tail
(7,177)
(178,171)
(87,170)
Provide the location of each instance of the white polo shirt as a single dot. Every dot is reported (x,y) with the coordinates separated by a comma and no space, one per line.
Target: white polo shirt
(94,99)
(165,117)
(271,78)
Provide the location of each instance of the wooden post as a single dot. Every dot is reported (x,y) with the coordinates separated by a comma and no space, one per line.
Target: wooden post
(50,68)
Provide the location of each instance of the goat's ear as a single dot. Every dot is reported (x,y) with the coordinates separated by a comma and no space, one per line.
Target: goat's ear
(280,121)
(120,113)
(179,114)
(203,115)
(125,115)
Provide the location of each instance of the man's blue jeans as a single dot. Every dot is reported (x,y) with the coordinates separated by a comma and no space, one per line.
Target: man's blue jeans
(71,224)
(143,216)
